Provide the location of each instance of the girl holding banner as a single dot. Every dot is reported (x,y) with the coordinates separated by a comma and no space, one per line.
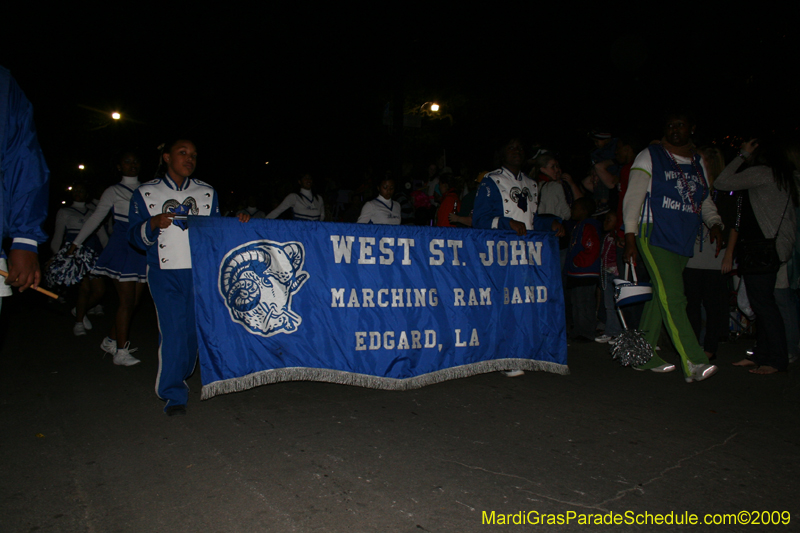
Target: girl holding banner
(158,224)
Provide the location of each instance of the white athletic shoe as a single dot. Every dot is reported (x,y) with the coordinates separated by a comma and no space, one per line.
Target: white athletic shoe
(109,345)
(124,358)
(699,372)
(97,310)
(602,339)
(663,369)
(78,329)
(513,373)
(86,323)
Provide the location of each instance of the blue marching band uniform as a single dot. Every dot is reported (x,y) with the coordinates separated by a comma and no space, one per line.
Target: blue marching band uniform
(503,197)
(23,174)
(169,274)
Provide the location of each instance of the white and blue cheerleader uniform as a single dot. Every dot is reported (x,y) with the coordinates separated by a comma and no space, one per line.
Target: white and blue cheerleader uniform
(380,211)
(69,222)
(304,205)
(169,274)
(119,260)
(66,269)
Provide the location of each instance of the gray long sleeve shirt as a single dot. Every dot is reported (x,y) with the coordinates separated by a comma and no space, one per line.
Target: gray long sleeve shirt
(770,204)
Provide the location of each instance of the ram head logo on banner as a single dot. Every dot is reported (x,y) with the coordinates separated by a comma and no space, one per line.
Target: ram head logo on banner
(257,281)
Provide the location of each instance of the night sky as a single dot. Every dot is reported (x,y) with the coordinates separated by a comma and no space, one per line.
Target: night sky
(307,89)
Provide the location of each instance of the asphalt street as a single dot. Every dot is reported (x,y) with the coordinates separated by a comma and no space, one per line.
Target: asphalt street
(87,448)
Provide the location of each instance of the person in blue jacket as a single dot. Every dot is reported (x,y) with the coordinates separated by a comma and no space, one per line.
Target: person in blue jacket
(24,179)
(158,224)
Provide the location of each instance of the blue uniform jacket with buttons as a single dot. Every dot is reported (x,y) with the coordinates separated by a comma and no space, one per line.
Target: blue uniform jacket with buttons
(503,197)
(168,249)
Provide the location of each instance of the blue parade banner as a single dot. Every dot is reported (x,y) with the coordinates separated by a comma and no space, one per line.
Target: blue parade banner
(390,307)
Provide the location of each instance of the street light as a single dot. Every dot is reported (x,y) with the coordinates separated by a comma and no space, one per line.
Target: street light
(116,116)
(81,167)
(429,107)
(431,110)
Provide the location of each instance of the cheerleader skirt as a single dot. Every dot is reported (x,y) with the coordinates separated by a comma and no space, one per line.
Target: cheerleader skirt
(120,260)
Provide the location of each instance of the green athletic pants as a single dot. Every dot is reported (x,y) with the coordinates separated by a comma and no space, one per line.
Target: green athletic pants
(668,305)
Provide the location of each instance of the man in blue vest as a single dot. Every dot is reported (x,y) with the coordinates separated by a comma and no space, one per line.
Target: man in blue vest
(666,203)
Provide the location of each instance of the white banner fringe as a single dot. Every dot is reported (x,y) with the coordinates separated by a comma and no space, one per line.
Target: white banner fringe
(266,377)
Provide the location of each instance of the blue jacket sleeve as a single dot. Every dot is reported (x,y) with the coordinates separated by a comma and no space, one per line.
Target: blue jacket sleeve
(544,222)
(488,207)
(140,234)
(24,175)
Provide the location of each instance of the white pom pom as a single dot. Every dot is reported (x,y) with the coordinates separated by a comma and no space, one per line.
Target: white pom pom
(632,349)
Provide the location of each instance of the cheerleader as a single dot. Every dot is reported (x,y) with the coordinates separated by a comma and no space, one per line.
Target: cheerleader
(304,204)
(119,261)
(69,221)
(158,212)
(381,210)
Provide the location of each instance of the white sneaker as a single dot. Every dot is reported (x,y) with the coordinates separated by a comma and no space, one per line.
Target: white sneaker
(666,367)
(78,329)
(602,339)
(613,340)
(97,310)
(86,323)
(124,358)
(513,373)
(700,372)
(109,345)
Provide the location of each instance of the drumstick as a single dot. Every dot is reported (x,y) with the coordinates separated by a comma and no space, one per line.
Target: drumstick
(43,291)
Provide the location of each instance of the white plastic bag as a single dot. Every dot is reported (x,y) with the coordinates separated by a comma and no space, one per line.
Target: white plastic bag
(743,302)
